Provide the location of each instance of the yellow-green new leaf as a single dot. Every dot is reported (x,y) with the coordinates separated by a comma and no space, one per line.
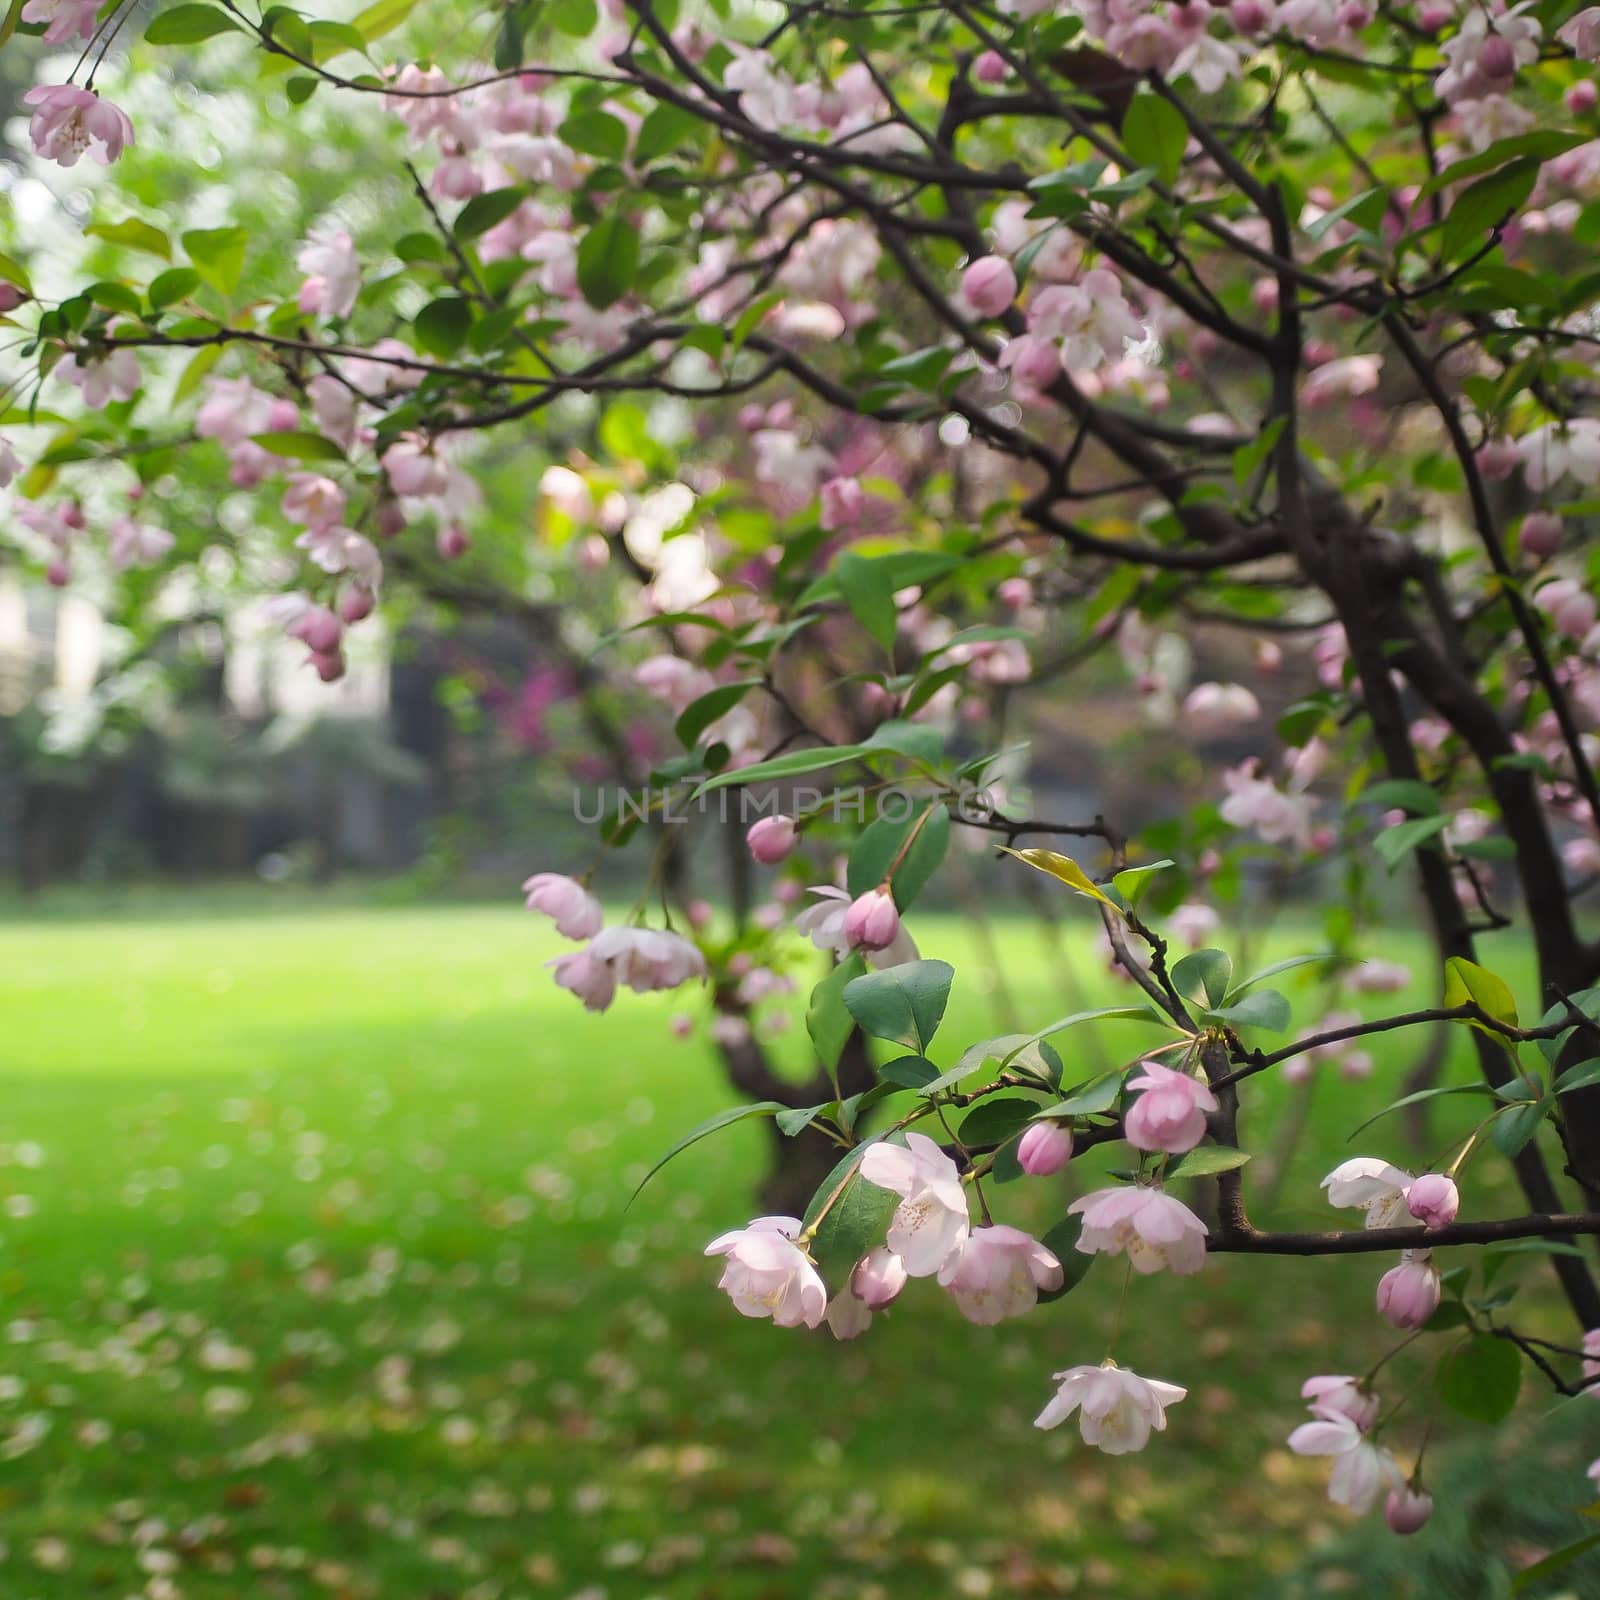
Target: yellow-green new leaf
(1067,870)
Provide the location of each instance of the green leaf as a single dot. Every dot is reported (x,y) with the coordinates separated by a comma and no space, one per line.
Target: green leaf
(1483,205)
(1481,1379)
(595,133)
(869,592)
(1206,1161)
(133,232)
(484,211)
(1155,134)
(168,287)
(857,1218)
(1411,794)
(1062,1242)
(1543,145)
(608,260)
(1091,1098)
(1064,868)
(189,24)
(299,446)
(791,765)
(1394,844)
(1287,965)
(442,326)
(1516,1126)
(909,1072)
(575,18)
(723,1119)
(1466,982)
(383,17)
(1582,1076)
(1132,882)
(662,131)
(1210,971)
(218,255)
(827,1020)
(1553,1563)
(903,1004)
(700,714)
(882,841)
(1419,1096)
(115,297)
(1248,457)
(995,1120)
(1262,1008)
(194,374)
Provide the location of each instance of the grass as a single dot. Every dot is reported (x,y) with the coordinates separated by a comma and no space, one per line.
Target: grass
(318,1281)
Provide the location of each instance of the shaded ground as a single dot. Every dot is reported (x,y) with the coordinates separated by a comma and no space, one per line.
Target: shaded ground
(317,1282)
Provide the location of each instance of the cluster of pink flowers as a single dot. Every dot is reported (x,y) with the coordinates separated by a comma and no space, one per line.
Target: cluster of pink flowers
(642,959)
(1408,1294)
(1345,1412)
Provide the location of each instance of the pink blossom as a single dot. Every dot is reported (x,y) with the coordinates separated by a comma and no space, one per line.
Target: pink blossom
(1343,379)
(1378,977)
(1434,1200)
(356,604)
(998,1273)
(646,959)
(1369,1182)
(63,19)
(931,1223)
(575,912)
(414,470)
(1409,1293)
(1336,1395)
(113,375)
(989,286)
(1155,1230)
(137,544)
(1560,449)
(313,500)
(848,1317)
(333,275)
(1213,708)
(1193,923)
(1044,1149)
(769,1275)
(1581,34)
(1090,320)
(233,409)
(1360,1469)
(872,921)
(334,408)
(842,502)
(1569,606)
(1255,802)
(1118,1409)
(1170,1112)
(67,121)
(593,981)
(770,839)
(318,628)
(878,1277)
(1407,1509)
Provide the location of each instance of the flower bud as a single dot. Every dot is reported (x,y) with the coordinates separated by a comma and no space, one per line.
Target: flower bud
(453,541)
(329,665)
(356,603)
(1496,58)
(1407,1509)
(1409,1294)
(872,921)
(1433,1200)
(770,839)
(989,286)
(878,1278)
(1541,534)
(990,67)
(1582,97)
(1044,1149)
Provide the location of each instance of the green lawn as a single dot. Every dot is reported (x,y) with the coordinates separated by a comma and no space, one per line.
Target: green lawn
(318,1282)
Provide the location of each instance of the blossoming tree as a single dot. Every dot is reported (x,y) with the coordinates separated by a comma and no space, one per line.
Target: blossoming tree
(894,350)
